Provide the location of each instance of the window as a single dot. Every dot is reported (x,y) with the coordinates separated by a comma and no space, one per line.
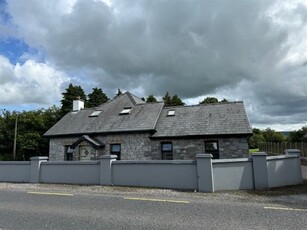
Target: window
(167,151)
(115,150)
(171,113)
(212,147)
(95,113)
(69,153)
(126,110)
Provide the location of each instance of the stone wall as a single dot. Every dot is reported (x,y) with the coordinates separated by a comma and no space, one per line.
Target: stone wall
(139,146)
(186,149)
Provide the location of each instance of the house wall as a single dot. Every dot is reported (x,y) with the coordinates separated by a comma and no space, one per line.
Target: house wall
(139,146)
(187,148)
(136,146)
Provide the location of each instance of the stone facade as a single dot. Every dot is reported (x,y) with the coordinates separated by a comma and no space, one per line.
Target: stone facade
(139,146)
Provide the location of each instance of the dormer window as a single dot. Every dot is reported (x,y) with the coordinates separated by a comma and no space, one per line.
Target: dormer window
(171,113)
(126,110)
(95,113)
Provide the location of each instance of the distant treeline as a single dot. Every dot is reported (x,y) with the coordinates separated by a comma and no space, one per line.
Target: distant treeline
(271,136)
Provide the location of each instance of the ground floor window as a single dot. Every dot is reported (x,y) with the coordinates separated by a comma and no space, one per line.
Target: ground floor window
(167,151)
(212,147)
(69,154)
(115,150)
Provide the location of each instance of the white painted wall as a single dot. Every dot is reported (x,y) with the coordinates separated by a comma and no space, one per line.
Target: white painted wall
(230,174)
(233,174)
(284,170)
(161,174)
(14,171)
(70,172)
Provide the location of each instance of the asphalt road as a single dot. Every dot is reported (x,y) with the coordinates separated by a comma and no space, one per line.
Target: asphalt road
(24,206)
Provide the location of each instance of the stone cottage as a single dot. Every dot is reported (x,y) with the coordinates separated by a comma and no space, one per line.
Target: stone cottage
(134,130)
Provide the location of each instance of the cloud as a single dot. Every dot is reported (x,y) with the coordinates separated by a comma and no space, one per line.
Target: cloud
(252,50)
(166,42)
(30,82)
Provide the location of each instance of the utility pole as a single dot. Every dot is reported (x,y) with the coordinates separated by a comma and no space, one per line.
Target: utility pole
(15,137)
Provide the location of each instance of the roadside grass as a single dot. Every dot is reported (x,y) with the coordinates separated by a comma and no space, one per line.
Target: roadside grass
(251,151)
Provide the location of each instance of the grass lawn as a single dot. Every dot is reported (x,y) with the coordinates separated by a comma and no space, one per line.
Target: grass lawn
(253,150)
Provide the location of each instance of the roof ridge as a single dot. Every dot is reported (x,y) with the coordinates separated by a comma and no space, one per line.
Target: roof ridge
(218,103)
(131,98)
(113,99)
(150,103)
(158,117)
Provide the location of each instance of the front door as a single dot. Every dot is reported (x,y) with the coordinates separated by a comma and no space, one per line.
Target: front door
(85,152)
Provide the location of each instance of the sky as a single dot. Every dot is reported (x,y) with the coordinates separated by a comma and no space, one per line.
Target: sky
(253,51)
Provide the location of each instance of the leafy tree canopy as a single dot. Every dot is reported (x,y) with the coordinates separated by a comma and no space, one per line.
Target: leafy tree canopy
(209,100)
(256,138)
(172,100)
(167,99)
(151,98)
(30,129)
(273,136)
(298,135)
(70,94)
(119,92)
(96,97)
(212,100)
(176,100)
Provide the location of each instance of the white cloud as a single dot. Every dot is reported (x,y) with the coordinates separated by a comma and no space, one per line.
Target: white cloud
(30,82)
(246,50)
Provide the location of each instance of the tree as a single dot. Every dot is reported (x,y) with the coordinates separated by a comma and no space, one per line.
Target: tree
(209,100)
(256,138)
(272,136)
(212,100)
(172,100)
(150,99)
(176,100)
(70,94)
(298,135)
(31,127)
(97,97)
(119,92)
(167,99)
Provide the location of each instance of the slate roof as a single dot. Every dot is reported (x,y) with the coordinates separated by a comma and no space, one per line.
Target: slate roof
(143,117)
(212,119)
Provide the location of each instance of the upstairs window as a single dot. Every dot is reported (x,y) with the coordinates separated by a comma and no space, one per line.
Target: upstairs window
(171,113)
(95,113)
(126,110)
(115,149)
(212,147)
(167,151)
